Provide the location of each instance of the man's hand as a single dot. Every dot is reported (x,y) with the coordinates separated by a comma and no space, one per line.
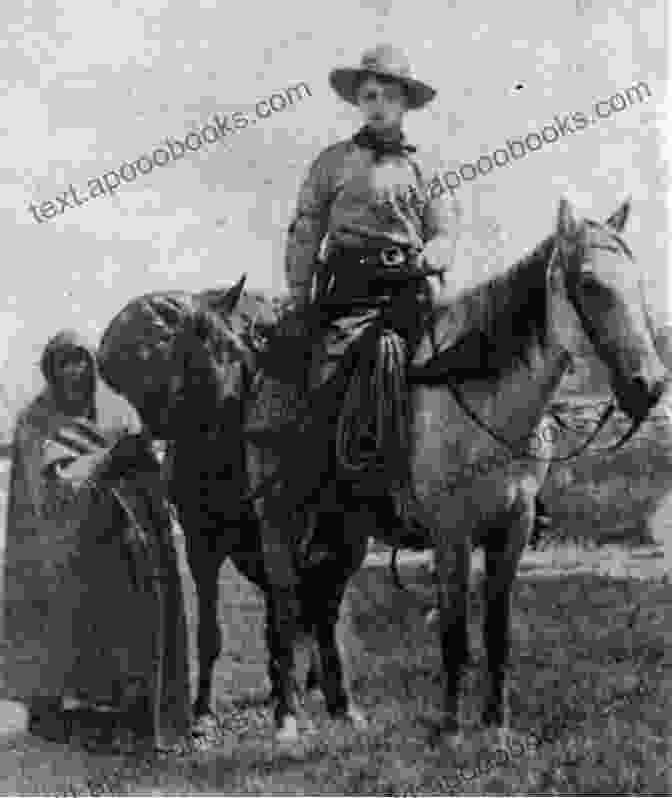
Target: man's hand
(430,261)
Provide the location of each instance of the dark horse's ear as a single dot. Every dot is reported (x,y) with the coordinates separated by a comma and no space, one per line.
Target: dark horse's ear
(224,302)
(566,225)
(619,218)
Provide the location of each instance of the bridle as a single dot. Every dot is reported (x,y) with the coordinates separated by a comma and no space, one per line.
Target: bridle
(512,446)
(607,413)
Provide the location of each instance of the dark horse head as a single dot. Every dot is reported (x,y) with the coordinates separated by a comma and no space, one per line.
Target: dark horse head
(594,269)
(215,363)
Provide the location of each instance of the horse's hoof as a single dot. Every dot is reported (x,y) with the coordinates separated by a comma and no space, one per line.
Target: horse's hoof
(444,731)
(439,736)
(206,725)
(432,617)
(315,693)
(357,718)
(496,717)
(288,731)
(502,735)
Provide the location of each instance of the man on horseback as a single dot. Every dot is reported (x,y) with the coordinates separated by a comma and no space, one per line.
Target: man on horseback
(365,215)
(372,220)
(369,196)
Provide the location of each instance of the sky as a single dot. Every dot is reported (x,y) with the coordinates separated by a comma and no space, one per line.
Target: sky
(90,85)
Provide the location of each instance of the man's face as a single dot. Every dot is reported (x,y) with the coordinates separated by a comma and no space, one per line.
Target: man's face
(382,103)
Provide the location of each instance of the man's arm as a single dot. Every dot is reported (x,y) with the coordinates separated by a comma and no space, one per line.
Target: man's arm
(442,220)
(306,231)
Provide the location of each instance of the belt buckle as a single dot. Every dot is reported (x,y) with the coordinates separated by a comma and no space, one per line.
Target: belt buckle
(392,256)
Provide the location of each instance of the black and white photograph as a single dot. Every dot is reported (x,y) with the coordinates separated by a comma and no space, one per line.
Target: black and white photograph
(335,398)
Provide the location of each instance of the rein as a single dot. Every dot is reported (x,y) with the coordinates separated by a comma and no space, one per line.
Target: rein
(511,446)
(606,414)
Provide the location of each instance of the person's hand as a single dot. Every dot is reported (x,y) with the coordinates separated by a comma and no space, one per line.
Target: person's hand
(430,261)
(295,320)
(130,454)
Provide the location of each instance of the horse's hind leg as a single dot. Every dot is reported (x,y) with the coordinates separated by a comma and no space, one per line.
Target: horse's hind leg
(453,565)
(502,555)
(284,617)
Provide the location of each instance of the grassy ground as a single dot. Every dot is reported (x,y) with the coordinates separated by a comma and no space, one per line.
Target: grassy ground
(589,626)
(580,641)
(606,496)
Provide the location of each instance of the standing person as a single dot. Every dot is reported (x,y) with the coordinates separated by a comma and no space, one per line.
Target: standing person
(91,572)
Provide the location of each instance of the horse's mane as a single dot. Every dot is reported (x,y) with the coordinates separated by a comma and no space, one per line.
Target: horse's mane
(502,318)
(252,310)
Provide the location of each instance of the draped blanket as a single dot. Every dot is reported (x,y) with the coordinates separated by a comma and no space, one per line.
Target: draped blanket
(81,607)
(137,354)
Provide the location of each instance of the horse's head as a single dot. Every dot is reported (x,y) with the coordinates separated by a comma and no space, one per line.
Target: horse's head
(596,291)
(215,363)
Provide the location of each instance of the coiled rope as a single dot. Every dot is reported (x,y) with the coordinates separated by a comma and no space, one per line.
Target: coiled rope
(373,426)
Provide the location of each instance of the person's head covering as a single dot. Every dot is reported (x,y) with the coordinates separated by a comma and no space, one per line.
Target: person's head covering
(67,340)
(385,61)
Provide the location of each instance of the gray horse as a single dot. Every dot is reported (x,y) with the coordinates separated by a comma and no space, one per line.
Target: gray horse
(525,322)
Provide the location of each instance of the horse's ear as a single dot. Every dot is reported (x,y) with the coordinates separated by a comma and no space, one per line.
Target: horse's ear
(225,303)
(566,226)
(619,218)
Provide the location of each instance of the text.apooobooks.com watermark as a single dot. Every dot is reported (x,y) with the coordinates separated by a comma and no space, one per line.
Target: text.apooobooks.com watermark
(221,126)
(517,148)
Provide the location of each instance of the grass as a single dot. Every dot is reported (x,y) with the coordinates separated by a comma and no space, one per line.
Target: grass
(608,496)
(579,641)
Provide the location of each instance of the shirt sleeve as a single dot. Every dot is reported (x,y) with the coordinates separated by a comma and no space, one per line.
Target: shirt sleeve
(307,229)
(442,217)
(441,223)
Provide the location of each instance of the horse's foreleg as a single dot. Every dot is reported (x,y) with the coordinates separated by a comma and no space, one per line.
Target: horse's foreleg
(453,563)
(501,564)
(206,574)
(204,565)
(274,671)
(335,683)
(333,686)
(323,589)
(284,617)
(315,671)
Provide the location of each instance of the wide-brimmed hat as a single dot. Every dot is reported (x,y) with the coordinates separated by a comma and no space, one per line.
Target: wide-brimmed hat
(384,61)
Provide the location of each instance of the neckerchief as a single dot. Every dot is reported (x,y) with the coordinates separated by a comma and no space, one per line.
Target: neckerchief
(368,139)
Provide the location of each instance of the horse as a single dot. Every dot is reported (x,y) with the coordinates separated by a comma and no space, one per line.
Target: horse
(581,281)
(189,394)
